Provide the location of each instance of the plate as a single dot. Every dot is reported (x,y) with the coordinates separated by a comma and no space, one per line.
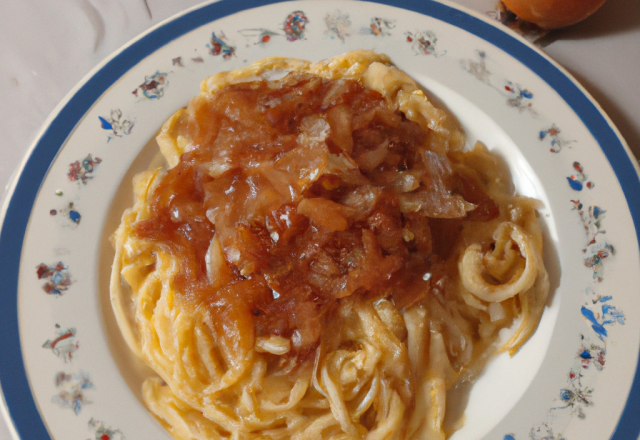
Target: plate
(65,370)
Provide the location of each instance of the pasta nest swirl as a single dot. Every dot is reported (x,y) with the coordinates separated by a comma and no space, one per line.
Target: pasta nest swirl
(379,372)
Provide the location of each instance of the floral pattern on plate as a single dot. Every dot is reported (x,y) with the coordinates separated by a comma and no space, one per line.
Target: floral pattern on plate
(338,25)
(57,276)
(379,27)
(117,124)
(153,86)
(554,137)
(102,432)
(424,43)
(294,25)
(597,250)
(81,171)
(478,67)
(600,314)
(72,390)
(64,345)
(589,362)
(579,180)
(517,95)
(220,45)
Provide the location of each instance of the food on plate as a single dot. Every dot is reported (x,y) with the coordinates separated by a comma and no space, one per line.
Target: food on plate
(321,258)
(553,14)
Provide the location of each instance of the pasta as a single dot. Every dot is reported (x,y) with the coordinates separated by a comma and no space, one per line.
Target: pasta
(321,258)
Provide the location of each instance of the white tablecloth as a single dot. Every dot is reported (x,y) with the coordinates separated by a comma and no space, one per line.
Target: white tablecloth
(46,47)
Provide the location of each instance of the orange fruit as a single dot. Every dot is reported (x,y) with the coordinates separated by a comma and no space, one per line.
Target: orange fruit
(552,14)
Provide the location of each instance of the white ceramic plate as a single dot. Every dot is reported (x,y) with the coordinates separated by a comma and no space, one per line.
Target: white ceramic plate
(64,369)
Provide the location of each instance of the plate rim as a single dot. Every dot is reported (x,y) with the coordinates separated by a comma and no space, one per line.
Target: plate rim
(19,406)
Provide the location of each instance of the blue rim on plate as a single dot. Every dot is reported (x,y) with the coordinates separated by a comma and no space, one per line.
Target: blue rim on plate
(15,386)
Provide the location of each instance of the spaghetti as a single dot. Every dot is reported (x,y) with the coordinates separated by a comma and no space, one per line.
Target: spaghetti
(320,258)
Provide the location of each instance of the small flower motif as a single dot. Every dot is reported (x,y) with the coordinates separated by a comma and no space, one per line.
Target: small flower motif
(72,388)
(595,261)
(576,396)
(102,432)
(378,27)
(592,219)
(82,170)
(579,180)
(294,25)
(518,97)
(117,124)
(599,319)
(57,276)
(423,43)
(153,86)
(597,251)
(478,68)
(556,140)
(220,46)
(338,25)
(64,344)
(592,356)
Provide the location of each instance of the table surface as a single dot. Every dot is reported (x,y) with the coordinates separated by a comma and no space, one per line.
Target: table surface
(47,47)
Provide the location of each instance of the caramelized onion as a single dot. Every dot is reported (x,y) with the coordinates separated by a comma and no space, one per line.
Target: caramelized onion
(293,194)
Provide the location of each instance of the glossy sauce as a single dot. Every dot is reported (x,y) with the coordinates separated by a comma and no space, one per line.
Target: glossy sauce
(318,193)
